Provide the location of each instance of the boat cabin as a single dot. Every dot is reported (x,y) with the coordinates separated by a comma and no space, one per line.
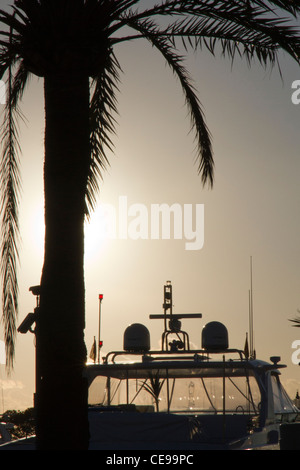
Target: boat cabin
(213,395)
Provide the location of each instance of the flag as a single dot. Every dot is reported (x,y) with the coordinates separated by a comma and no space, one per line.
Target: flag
(93,351)
(246,348)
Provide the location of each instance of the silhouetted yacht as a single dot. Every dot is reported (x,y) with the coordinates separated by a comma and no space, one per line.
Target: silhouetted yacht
(182,398)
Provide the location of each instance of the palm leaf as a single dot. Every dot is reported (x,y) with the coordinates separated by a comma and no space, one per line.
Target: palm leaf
(150,31)
(154,387)
(10,186)
(247,35)
(103,107)
(9,189)
(296,321)
(249,28)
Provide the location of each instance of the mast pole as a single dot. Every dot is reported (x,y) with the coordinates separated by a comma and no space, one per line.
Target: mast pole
(99,340)
(251,311)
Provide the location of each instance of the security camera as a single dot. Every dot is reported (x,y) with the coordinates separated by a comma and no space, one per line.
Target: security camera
(27,323)
(36,290)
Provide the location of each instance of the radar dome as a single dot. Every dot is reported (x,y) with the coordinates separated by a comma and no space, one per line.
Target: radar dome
(136,338)
(214,336)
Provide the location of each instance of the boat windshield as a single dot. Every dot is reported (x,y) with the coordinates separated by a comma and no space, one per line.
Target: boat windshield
(282,404)
(190,394)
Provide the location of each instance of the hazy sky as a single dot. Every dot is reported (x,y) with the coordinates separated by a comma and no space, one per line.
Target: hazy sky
(253,210)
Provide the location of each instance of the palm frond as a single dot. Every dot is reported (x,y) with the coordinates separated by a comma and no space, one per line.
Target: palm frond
(296,321)
(249,34)
(103,107)
(250,28)
(151,32)
(154,387)
(10,187)
(36,36)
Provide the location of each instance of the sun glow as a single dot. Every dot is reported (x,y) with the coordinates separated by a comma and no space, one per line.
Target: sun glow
(37,230)
(95,234)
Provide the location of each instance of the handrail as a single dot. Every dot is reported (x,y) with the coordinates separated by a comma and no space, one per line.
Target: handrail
(196,354)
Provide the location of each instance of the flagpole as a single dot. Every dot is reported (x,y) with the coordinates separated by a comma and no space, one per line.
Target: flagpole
(99,347)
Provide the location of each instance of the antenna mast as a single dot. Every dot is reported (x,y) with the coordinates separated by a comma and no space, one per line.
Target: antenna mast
(251,312)
(174,326)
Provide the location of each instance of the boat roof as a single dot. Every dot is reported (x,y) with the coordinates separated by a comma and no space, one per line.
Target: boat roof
(180,367)
(176,359)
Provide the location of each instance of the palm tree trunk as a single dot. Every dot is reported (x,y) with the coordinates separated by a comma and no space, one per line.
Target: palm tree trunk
(61,390)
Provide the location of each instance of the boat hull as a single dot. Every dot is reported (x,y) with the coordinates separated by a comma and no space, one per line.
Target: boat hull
(163,431)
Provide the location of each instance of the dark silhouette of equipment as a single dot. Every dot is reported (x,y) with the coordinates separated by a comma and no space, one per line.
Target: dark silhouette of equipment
(173,327)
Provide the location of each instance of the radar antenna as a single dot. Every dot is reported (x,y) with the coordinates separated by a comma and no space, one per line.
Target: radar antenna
(174,326)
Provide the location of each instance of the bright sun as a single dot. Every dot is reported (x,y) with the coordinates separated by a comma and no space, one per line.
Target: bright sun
(38,232)
(95,233)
